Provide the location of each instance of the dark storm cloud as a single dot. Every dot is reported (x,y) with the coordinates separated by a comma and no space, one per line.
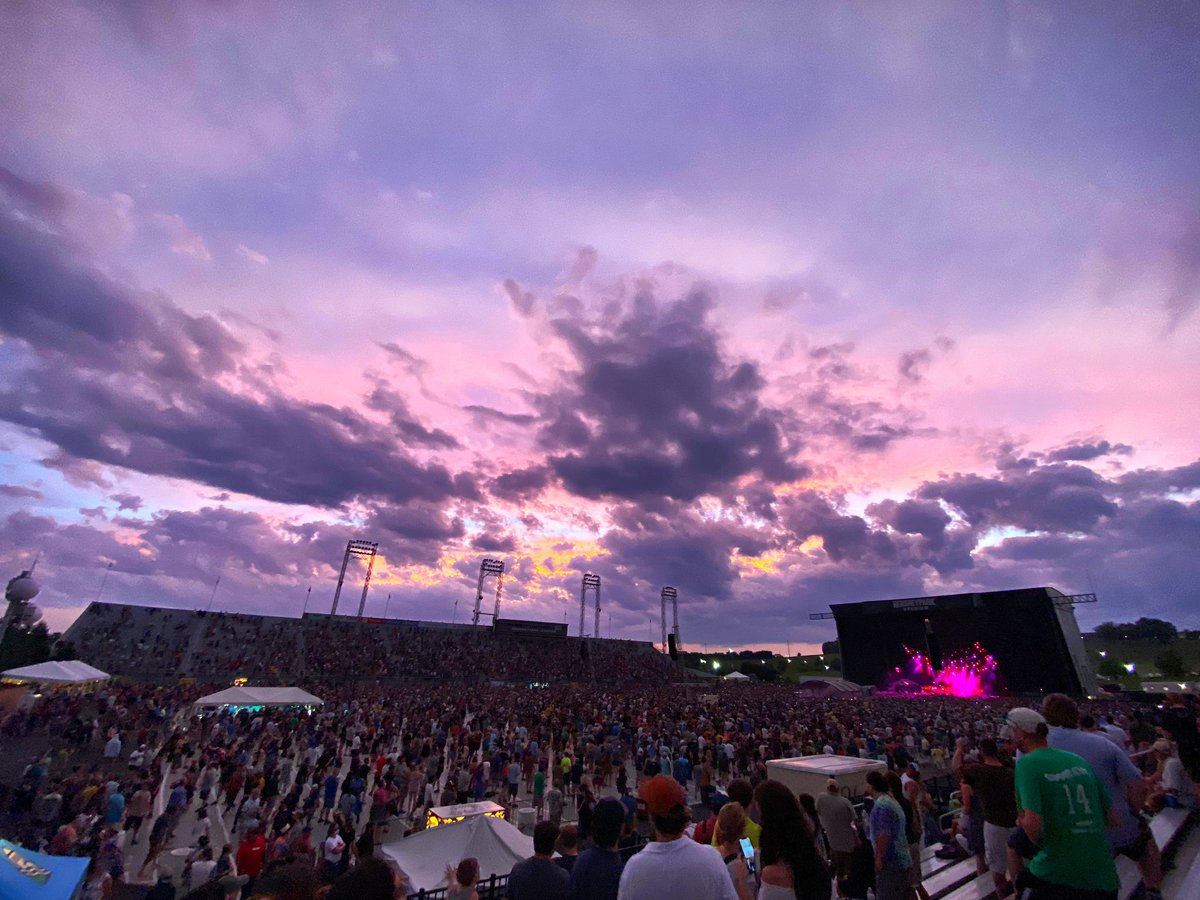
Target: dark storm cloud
(1084,452)
(384,399)
(127,501)
(1054,497)
(120,377)
(844,537)
(655,408)
(488,415)
(676,546)
(21,493)
(417,522)
(520,484)
(913,517)
(490,542)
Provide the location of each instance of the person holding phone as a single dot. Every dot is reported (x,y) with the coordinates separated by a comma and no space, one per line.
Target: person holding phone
(735,849)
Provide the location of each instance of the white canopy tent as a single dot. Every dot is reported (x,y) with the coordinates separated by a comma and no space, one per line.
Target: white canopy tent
(497,844)
(737,676)
(67,671)
(261,696)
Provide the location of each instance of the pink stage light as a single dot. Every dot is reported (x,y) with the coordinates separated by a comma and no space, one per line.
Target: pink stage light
(968,673)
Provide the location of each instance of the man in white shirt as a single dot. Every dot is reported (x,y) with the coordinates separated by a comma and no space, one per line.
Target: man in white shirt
(112,749)
(331,853)
(673,867)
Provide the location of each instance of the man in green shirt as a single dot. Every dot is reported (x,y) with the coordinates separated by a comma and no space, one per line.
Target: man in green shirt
(1065,810)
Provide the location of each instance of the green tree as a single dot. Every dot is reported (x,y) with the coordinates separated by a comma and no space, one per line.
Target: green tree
(1170,664)
(1111,669)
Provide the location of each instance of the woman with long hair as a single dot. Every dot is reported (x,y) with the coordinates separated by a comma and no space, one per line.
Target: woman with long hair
(791,868)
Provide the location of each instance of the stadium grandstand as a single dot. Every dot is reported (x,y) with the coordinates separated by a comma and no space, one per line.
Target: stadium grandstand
(164,645)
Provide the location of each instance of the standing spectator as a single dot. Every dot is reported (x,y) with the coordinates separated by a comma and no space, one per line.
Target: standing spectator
(538,878)
(1131,836)
(673,867)
(1063,810)
(790,863)
(554,804)
(568,847)
(331,854)
(836,814)
(112,749)
(731,828)
(140,808)
(461,880)
(539,789)
(596,874)
(992,782)
(251,855)
(887,833)
(739,791)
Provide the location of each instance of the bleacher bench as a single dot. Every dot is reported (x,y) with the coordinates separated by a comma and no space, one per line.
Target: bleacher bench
(959,881)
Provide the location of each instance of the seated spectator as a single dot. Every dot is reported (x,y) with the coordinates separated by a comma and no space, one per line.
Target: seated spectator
(1171,785)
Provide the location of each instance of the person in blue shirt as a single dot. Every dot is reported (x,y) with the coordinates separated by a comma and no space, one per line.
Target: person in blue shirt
(888,836)
(114,808)
(683,771)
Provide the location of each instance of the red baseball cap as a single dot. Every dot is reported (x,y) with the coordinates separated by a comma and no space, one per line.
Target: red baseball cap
(662,794)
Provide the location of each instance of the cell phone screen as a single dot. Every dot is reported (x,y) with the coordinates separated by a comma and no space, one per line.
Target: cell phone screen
(748,852)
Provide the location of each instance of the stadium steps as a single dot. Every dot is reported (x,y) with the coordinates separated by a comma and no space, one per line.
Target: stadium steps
(959,881)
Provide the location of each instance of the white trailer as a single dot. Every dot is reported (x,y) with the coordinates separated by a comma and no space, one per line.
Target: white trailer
(811,774)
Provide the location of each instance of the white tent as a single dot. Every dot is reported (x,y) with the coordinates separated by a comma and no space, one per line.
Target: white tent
(67,671)
(737,676)
(497,844)
(261,696)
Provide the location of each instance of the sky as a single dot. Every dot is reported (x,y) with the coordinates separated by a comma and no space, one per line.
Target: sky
(780,304)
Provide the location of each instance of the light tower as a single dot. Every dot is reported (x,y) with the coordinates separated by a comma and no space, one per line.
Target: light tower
(359,550)
(487,569)
(669,593)
(19,592)
(590,582)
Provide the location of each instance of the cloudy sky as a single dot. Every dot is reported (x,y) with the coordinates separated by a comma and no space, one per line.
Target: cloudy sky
(780,304)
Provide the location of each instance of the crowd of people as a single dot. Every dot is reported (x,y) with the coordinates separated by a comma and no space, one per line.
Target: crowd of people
(643,786)
(157,644)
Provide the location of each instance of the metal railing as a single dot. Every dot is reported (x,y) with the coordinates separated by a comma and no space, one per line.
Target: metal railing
(495,887)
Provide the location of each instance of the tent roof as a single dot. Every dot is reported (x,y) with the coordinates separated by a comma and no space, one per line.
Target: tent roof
(27,875)
(737,676)
(261,696)
(67,671)
(497,844)
(837,684)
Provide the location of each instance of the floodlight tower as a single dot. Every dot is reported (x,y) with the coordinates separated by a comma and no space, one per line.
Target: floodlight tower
(19,592)
(669,593)
(359,550)
(487,569)
(590,583)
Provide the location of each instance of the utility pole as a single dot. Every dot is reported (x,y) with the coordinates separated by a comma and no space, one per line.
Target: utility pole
(103,581)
